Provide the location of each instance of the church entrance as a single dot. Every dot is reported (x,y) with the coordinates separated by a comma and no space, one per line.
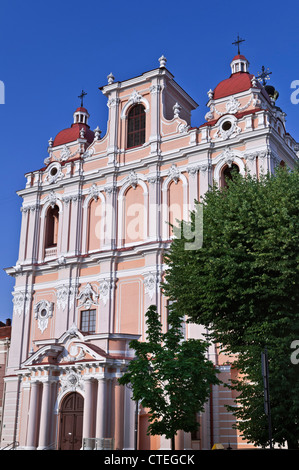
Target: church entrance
(71,422)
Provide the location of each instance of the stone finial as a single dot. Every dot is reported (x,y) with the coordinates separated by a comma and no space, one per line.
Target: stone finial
(210,94)
(110,78)
(176,110)
(97,133)
(162,61)
(50,141)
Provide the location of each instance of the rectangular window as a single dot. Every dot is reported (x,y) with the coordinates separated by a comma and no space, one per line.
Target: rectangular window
(88,321)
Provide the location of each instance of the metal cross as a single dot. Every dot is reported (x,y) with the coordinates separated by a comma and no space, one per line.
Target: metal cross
(237,43)
(263,76)
(82,96)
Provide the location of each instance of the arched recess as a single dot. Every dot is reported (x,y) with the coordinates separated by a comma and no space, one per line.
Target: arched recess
(131,102)
(174,203)
(45,212)
(95,234)
(94,212)
(71,422)
(52,224)
(227,158)
(227,173)
(133,213)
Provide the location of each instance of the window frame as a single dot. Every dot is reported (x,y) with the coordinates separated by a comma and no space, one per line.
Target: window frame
(52,225)
(91,321)
(141,131)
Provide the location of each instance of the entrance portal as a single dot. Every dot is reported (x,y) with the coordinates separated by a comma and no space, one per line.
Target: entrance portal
(71,422)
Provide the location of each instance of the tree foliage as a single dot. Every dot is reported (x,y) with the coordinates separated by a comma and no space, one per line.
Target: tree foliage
(169,376)
(243,285)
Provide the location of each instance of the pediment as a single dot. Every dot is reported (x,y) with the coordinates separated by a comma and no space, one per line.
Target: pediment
(69,348)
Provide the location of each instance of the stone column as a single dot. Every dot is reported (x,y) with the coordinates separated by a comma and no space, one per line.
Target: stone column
(45,417)
(88,413)
(193,171)
(205,178)
(119,415)
(65,226)
(33,233)
(101,409)
(113,105)
(23,237)
(33,417)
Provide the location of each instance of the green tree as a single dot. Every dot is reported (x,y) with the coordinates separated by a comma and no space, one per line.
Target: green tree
(169,376)
(242,284)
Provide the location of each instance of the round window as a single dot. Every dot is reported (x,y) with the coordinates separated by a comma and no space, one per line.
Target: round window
(43,313)
(53,171)
(226,125)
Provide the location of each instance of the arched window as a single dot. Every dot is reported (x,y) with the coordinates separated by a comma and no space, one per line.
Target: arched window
(227,174)
(52,227)
(136,126)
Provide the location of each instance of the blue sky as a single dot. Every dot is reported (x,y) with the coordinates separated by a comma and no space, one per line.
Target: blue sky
(50,51)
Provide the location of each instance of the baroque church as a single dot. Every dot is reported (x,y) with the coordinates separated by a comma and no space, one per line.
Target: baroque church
(95,225)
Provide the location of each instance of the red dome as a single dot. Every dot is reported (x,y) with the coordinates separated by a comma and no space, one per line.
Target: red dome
(73,133)
(239,56)
(236,83)
(82,110)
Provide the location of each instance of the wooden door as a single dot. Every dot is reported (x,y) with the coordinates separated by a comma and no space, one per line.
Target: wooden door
(71,422)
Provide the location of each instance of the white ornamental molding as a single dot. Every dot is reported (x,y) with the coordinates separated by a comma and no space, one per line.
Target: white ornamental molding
(30,207)
(183,128)
(154,89)
(135,97)
(210,94)
(61,260)
(232,106)
(109,190)
(174,173)
(113,102)
(54,173)
(227,133)
(52,199)
(97,133)
(64,296)
(66,154)
(87,297)
(176,110)
(105,289)
(71,381)
(154,178)
(43,310)
(260,154)
(150,283)
(93,192)
(72,198)
(21,302)
(89,152)
(132,179)
(75,352)
(193,170)
(228,156)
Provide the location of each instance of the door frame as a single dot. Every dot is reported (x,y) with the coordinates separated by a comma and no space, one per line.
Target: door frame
(75,413)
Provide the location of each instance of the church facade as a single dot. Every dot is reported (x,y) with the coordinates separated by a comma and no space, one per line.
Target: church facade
(95,225)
